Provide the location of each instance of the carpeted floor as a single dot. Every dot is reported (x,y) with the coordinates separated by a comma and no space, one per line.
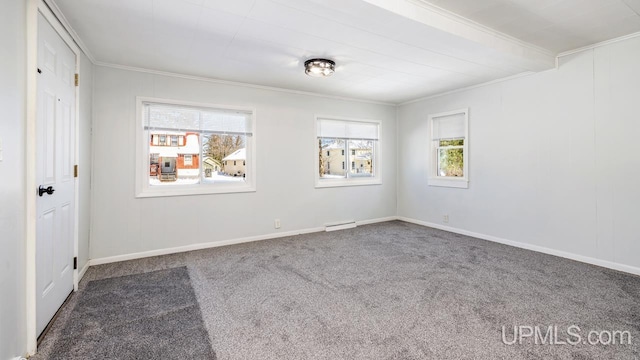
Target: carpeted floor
(390,291)
(153,315)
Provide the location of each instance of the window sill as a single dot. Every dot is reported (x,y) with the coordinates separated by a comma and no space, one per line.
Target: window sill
(462,183)
(194,190)
(329,183)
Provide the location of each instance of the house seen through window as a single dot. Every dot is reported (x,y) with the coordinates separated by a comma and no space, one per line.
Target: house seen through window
(342,142)
(190,145)
(449,150)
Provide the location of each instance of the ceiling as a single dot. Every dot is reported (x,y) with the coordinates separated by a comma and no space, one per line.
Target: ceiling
(386,50)
(557,25)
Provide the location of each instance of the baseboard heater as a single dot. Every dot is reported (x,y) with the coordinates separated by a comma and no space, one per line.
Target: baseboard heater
(341,225)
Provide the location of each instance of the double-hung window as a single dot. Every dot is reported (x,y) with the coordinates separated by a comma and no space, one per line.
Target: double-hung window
(449,154)
(187,148)
(347,152)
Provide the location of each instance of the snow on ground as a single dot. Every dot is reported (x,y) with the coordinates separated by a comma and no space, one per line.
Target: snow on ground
(216,178)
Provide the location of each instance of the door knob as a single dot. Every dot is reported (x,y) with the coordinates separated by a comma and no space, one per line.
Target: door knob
(49,190)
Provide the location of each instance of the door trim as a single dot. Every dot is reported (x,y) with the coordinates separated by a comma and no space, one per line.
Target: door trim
(33,8)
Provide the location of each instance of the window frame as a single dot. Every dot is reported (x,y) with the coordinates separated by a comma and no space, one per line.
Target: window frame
(144,190)
(448,181)
(184,159)
(376,179)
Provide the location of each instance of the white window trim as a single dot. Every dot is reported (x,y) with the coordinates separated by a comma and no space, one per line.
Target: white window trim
(190,159)
(448,181)
(144,190)
(376,179)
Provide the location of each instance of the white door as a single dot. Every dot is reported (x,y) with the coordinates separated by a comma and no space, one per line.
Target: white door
(55,161)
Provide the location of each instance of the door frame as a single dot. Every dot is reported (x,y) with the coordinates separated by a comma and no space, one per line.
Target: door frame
(35,7)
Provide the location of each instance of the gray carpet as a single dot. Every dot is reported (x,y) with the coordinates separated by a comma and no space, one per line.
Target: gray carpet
(391,291)
(152,315)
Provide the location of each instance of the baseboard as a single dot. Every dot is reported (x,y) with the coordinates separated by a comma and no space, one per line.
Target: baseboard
(83,270)
(585,259)
(200,246)
(378,220)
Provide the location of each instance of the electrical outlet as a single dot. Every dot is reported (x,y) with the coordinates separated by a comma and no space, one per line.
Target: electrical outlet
(445,218)
(276,223)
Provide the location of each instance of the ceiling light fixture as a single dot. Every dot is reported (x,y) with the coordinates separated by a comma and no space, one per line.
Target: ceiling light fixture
(319,67)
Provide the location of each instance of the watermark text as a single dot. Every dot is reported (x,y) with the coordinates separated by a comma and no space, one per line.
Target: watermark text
(570,335)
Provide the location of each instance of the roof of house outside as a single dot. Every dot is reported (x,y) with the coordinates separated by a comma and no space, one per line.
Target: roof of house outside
(211,161)
(240,154)
(191,147)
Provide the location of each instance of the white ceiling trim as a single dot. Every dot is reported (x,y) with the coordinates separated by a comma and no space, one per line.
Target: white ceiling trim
(535,57)
(512,77)
(240,84)
(451,19)
(65,24)
(566,53)
(600,44)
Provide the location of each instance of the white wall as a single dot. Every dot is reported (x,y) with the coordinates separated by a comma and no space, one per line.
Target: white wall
(122,224)
(84,160)
(554,158)
(12,170)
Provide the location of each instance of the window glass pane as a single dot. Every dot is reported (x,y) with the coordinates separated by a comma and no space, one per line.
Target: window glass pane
(452,142)
(168,165)
(332,158)
(224,158)
(450,162)
(362,158)
(190,146)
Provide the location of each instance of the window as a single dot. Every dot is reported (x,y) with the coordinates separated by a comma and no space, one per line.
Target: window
(449,154)
(344,142)
(183,148)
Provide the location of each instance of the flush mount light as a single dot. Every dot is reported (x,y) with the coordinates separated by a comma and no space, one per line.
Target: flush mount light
(319,67)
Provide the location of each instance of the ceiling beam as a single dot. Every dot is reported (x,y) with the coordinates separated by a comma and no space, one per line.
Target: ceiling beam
(532,57)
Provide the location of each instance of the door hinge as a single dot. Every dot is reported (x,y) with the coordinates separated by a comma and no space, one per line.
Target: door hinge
(77,79)
(75,171)
(75,263)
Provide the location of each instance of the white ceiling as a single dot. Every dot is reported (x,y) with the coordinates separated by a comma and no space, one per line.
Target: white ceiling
(385,50)
(557,25)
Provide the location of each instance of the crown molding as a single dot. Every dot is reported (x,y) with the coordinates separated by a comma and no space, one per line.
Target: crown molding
(239,84)
(423,4)
(454,91)
(599,44)
(562,54)
(530,57)
(51,4)
(479,27)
